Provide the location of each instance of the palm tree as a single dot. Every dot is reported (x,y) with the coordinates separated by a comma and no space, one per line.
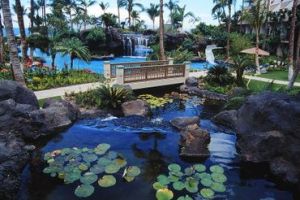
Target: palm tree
(162,55)
(120,4)
(179,15)
(153,12)
(85,5)
(70,9)
(256,16)
(104,6)
(75,48)
(1,40)
(13,50)
(135,16)
(292,40)
(130,4)
(108,19)
(172,5)
(20,13)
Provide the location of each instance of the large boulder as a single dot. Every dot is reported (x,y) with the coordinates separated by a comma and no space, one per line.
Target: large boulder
(136,107)
(182,122)
(17,92)
(191,82)
(227,118)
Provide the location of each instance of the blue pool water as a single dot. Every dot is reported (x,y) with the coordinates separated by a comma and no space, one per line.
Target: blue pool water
(97,65)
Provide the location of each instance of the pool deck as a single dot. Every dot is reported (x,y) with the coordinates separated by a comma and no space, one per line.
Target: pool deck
(43,94)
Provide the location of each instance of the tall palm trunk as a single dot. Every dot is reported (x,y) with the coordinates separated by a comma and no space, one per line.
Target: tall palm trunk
(119,15)
(153,22)
(162,55)
(13,51)
(228,30)
(32,11)
(129,17)
(1,41)
(85,19)
(257,52)
(297,68)
(19,11)
(292,40)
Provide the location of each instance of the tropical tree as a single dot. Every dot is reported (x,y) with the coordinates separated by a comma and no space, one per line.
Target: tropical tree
(172,5)
(179,15)
(108,19)
(130,4)
(153,12)
(75,48)
(20,13)
(1,40)
(42,5)
(162,55)
(256,16)
(13,50)
(85,4)
(70,9)
(120,4)
(135,16)
(103,6)
(292,40)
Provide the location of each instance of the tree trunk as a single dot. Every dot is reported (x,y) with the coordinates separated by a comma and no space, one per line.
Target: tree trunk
(22,30)
(257,52)
(129,18)
(153,21)
(239,77)
(84,23)
(53,61)
(162,55)
(119,16)
(72,62)
(31,15)
(297,68)
(292,40)
(1,41)
(13,51)
(228,31)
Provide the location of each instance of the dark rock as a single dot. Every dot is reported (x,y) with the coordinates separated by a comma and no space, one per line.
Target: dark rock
(137,107)
(13,159)
(237,92)
(203,93)
(17,92)
(191,82)
(285,170)
(182,122)
(227,118)
(174,40)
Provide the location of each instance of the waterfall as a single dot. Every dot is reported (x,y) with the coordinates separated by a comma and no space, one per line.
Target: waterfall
(136,45)
(210,58)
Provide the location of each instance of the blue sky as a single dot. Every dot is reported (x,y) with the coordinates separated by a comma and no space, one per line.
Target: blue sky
(201,8)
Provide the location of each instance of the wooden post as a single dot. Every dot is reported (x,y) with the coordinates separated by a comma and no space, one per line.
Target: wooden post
(107,69)
(187,69)
(120,74)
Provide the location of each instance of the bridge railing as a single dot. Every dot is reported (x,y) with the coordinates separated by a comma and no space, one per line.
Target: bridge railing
(110,69)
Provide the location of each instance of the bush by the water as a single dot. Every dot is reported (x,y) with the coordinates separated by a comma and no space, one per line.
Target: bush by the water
(219,76)
(235,103)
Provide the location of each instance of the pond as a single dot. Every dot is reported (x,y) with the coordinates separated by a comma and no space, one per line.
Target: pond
(152,146)
(97,65)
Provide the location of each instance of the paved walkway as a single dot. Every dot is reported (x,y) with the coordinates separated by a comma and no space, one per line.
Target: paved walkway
(267,80)
(43,94)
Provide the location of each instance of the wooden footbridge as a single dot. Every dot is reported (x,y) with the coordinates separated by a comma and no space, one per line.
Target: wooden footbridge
(140,75)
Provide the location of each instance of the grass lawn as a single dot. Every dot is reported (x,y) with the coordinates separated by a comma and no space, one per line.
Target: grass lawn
(42,101)
(259,86)
(278,75)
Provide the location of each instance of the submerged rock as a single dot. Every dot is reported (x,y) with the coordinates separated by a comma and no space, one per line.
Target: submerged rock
(182,122)
(137,107)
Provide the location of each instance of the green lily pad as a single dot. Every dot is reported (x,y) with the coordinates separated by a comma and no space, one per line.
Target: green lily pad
(178,185)
(83,166)
(133,171)
(53,174)
(112,169)
(129,178)
(174,167)
(97,169)
(173,178)
(47,156)
(89,157)
(120,162)
(89,178)
(164,194)
(191,185)
(178,174)
(47,170)
(186,197)
(216,169)
(65,151)
(71,177)
(157,186)
(112,155)
(206,182)
(204,175)
(84,191)
(107,181)
(207,193)
(217,177)
(189,171)
(104,161)
(85,149)
(199,168)
(101,149)
(162,179)
(218,187)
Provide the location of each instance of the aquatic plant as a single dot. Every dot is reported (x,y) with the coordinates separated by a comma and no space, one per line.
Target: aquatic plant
(85,165)
(194,180)
(155,102)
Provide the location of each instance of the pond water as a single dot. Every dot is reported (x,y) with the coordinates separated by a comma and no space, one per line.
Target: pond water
(97,65)
(151,145)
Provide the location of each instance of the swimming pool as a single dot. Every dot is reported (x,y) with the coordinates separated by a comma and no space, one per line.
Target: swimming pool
(97,65)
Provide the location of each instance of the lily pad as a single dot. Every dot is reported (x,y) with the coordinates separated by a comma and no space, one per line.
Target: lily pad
(89,157)
(112,155)
(218,187)
(129,178)
(207,193)
(189,171)
(191,185)
(101,149)
(71,177)
(120,162)
(162,179)
(133,171)
(186,197)
(199,168)
(178,185)
(97,169)
(174,167)
(47,170)
(216,169)
(112,169)
(88,178)
(83,166)
(204,175)
(178,174)
(84,191)
(157,186)
(104,161)
(217,177)
(173,178)
(107,181)
(164,194)
(206,182)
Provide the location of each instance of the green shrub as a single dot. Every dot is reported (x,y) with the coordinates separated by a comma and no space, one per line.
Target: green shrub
(234,103)
(219,76)
(180,55)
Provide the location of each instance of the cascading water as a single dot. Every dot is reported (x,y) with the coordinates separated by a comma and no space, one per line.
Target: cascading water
(136,45)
